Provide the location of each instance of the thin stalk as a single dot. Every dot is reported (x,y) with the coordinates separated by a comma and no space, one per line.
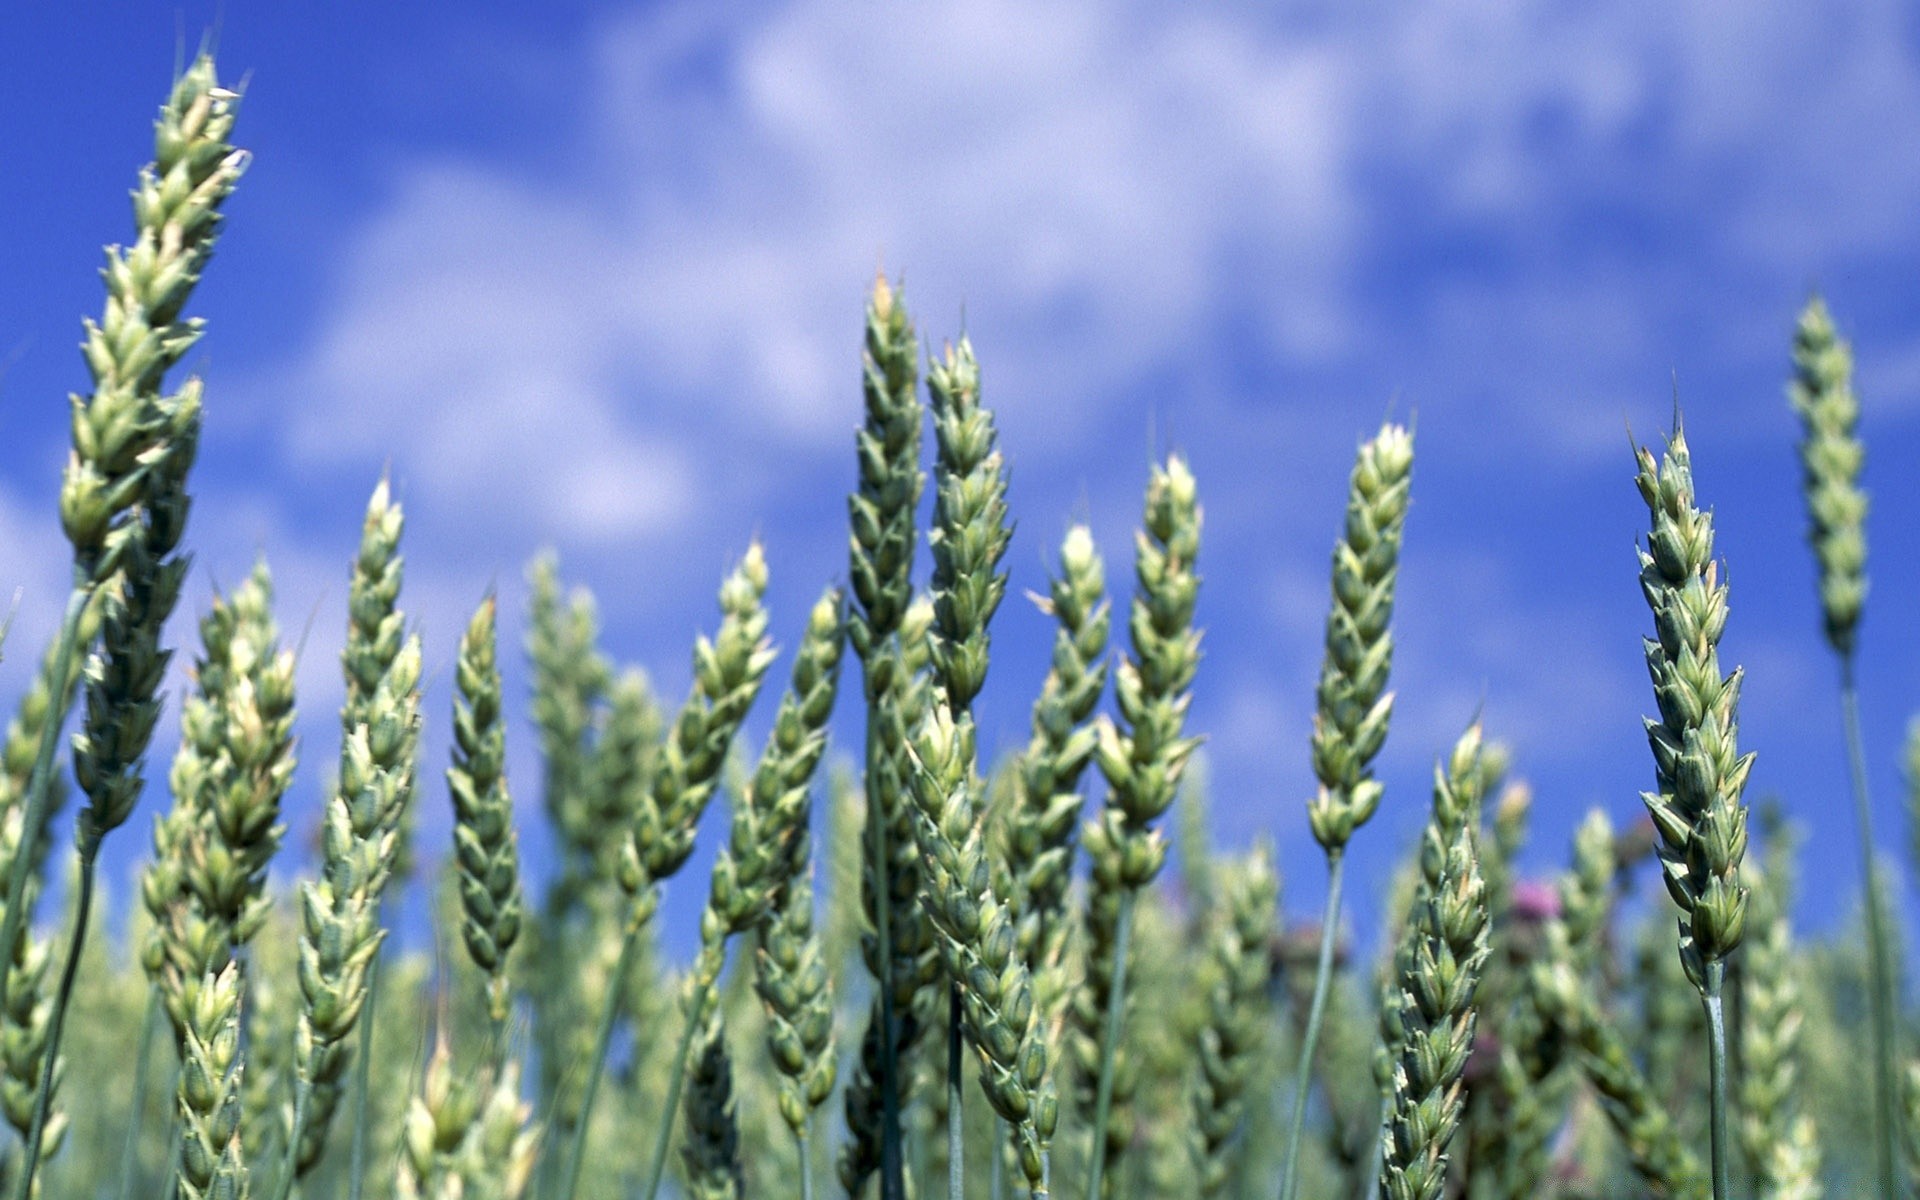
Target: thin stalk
(290,1169)
(1110,1044)
(82,913)
(1379,1166)
(1886,1096)
(499,1031)
(1717,1071)
(805,1141)
(130,1154)
(956,1102)
(1322,982)
(362,1076)
(670,1111)
(37,782)
(629,946)
(996,1174)
(893,1179)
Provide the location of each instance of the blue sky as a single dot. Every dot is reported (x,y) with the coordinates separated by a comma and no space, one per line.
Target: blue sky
(590,275)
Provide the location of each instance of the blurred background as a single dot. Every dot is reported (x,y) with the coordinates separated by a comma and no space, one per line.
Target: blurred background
(590,276)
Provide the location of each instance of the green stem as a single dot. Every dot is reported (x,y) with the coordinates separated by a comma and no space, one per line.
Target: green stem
(997,1163)
(499,1032)
(362,1076)
(130,1154)
(1886,1096)
(893,1177)
(629,947)
(806,1160)
(956,1102)
(37,783)
(1110,1045)
(302,1100)
(1322,982)
(43,1100)
(670,1111)
(1717,1071)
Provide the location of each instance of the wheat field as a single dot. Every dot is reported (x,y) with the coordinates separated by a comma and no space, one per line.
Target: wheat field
(920,969)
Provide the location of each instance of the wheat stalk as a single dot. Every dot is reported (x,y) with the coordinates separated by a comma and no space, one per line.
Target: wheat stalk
(767,827)
(1831,455)
(360,836)
(882,513)
(1353,704)
(1143,766)
(727,672)
(1700,771)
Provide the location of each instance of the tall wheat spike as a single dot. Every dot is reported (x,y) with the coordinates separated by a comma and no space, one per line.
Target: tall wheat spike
(360,835)
(1700,771)
(1831,456)
(122,495)
(1143,764)
(768,825)
(727,673)
(883,515)
(1353,704)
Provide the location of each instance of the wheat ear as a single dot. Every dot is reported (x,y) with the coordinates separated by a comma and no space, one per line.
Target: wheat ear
(485,849)
(1437,972)
(1045,816)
